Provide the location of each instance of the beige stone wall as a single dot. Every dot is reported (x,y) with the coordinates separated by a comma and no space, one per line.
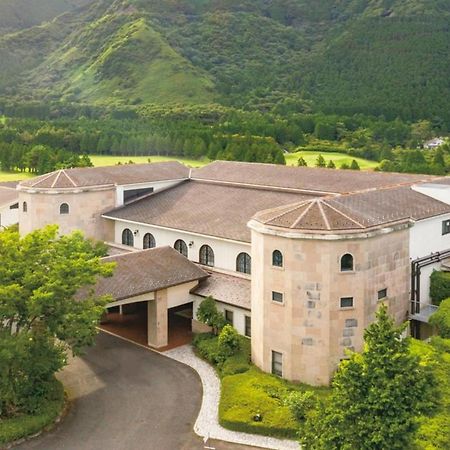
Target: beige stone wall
(309,328)
(85,212)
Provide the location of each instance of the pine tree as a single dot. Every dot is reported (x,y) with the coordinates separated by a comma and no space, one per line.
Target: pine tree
(354,165)
(301,162)
(331,164)
(320,161)
(438,158)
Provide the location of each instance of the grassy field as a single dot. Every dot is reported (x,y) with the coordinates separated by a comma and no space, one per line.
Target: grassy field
(13,176)
(105,160)
(338,159)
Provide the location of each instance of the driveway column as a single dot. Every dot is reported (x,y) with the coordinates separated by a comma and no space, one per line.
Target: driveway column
(157,324)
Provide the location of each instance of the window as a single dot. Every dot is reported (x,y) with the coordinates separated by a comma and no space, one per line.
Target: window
(64,208)
(149,241)
(346,302)
(248,326)
(15,206)
(24,207)
(180,246)
(445,227)
(382,294)
(244,263)
(277,297)
(127,237)
(229,316)
(347,263)
(277,363)
(206,255)
(277,258)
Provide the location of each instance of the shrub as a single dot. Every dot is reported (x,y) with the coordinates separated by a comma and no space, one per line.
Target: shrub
(439,286)
(209,314)
(441,319)
(299,403)
(228,341)
(207,347)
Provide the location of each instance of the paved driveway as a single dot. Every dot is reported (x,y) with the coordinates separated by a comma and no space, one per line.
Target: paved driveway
(126,398)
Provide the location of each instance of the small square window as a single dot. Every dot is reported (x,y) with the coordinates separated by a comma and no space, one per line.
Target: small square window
(382,294)
(277,363)
(445,227)
(346,302)
(229,316)
(277,297)
(248,326)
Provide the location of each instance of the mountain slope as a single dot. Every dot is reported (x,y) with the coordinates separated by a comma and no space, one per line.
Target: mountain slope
(381,57)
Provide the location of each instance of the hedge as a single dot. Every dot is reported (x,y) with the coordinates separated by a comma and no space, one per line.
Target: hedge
(441,319)
(439,286)
(15,428)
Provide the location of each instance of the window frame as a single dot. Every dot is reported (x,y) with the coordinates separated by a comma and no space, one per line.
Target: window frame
(272,295)
(344,270)
(130,235)
(247,326)
(64,209)
(206,256)
(25,207)
(227,313)
(382,297)
(278,253)
(244,260)
(152,241)
(183,250)
(274,363)
(445,227)
(347,298)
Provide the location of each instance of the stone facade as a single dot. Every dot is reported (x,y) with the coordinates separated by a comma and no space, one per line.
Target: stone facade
(309,328)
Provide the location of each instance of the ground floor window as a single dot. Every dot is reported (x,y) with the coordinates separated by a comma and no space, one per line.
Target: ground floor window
(229,316)
(248,326)
(277,363)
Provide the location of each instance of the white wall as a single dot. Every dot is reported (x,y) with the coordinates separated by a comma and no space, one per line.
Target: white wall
(425,238)
(238,313)
(8,216)
(440,192)
(225,251)
(156,185)
(179,295)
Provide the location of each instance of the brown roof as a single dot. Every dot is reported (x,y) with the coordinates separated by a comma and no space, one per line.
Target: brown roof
(210,209)
(226,289)
(355,211)
(9,184)
(8,195)
(303,178)
(109,175)
(146,271)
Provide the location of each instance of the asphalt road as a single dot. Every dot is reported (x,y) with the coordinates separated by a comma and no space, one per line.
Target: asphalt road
(126,398)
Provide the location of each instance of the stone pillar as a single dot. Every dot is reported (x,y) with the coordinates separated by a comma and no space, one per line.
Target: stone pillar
(157,324)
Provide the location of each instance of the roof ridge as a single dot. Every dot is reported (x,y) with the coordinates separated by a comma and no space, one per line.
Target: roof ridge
(325,218)
(41,178)
(303,214)
(57,178)
(288,208)
(70,179)
(345,215)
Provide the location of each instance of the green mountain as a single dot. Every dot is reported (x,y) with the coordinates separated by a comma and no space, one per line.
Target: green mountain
(380,57)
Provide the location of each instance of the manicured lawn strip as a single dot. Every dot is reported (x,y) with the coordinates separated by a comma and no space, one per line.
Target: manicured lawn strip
(338,158)
(107,160)
(13,176)
(22,426)
(248,392)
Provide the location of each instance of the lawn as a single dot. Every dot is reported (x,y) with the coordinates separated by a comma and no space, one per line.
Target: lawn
(13,176)
(338,159)
(106,160)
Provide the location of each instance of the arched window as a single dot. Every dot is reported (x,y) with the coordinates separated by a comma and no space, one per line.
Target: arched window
(347,263)
(64,208)
(277,258)
(206,255)
(127,237)
(24,207)
(149,241)
(181,247)
(244,263)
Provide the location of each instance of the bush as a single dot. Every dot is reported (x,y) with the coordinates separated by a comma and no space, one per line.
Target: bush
(208,314)
(441,319)
(207,347)
(299,403)
(26,425)
(439,286)
(228,341)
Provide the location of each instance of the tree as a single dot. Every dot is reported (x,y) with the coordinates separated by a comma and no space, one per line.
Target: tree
(441,319)
(377,395)
(301,162)
(354,165)
(438,158)
(208,314)
(42,311)
(228,341)
(331,164)
(320,161)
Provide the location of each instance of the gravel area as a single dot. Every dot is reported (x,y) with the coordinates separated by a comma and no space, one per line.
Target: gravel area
(207,424)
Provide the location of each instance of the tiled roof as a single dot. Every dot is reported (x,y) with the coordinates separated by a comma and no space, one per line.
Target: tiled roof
(354,211)
(8,195)
(226,289)
(303,178)
(210,209)
(109,175)
(9,184)
(147,271)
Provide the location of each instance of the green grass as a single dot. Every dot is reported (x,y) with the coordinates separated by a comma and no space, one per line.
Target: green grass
(106,160)
(22,426)
(338,159)
(13,176)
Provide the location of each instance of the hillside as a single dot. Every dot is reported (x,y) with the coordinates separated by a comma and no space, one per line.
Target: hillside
(380,57)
